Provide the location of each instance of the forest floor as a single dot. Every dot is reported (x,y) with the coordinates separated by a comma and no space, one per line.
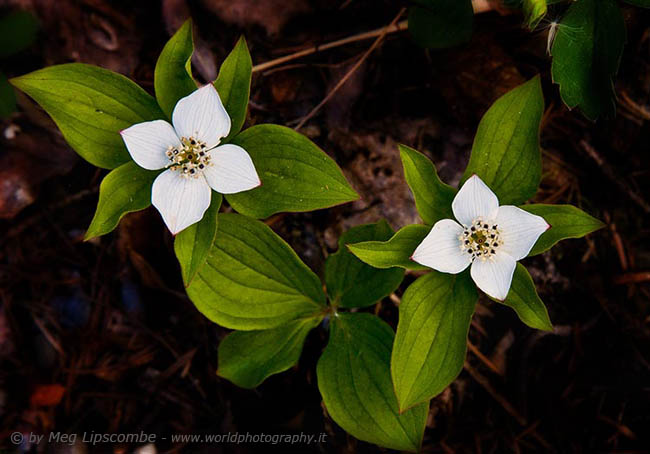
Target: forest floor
(100,336)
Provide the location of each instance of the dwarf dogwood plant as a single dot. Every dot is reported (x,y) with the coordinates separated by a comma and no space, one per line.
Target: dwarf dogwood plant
(255,283)
(488,237)
(195,163)
(471,238)
(184,148)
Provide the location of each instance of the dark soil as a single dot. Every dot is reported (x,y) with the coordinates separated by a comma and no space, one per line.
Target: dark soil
(108,320)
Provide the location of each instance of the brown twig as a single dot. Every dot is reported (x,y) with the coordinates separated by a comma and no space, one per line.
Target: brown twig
(609,172)
(480,6)
(485,383)
(351,71)
(632,278)
(398,27)
(484,359)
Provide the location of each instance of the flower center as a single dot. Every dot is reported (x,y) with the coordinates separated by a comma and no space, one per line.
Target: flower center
(480,240)
(190,158)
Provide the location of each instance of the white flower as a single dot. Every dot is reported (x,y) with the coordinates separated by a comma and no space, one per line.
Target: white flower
(195,164)
(489,237)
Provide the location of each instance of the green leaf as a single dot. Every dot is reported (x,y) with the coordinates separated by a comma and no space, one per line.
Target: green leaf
(640,3)
(354,380)
(534,12)
(234,85)
(247,358)
(173,75)
(193,244)
(566,221)
(431,340)
(397,251)
(296,175)
(506,153)
(252,279)
(438,24)
(432,197)
(523,298)
(586,53)
(123,190)
(352,283)
(90,105)
(7,97)
(19,29)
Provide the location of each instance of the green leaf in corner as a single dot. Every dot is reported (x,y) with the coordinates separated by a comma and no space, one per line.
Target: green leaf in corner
(234,85)
(397,251)
(506,153)
(431,340)
(193,244)
(253,280)
(523,298)
(566,222)
(534,12)
(352,283)
(19,30)
(438,24)
(7,97)
(586,53)
(247,358)
(90,105)
(296,175)
(432,197)
(123,190)
(173,75)
(354,380)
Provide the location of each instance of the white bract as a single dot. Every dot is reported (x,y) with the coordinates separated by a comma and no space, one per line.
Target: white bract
(490,237)
(195,163)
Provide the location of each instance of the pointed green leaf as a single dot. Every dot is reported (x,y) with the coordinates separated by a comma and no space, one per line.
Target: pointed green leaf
(586,53)
(506,153)
(19,30)
(397,251)
(234,85)
(431,340)
(566,221)
(352,283)
(173,75)
(193,244)
(247,358)
(296,175)
(534,12)
(437,24)
(432,197)
(7,97)
(252,279)
(354,380)
(523,298)
(123,190)
(90,105)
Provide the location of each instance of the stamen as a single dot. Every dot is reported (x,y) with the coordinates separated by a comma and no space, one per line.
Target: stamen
(480,240)
(190,158)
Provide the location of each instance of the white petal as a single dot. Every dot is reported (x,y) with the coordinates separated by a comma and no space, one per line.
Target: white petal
(181,201)
(201,115)
(232,170)
(494,275)
(474,199)
(148,142)
(440,249)
(519,230)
